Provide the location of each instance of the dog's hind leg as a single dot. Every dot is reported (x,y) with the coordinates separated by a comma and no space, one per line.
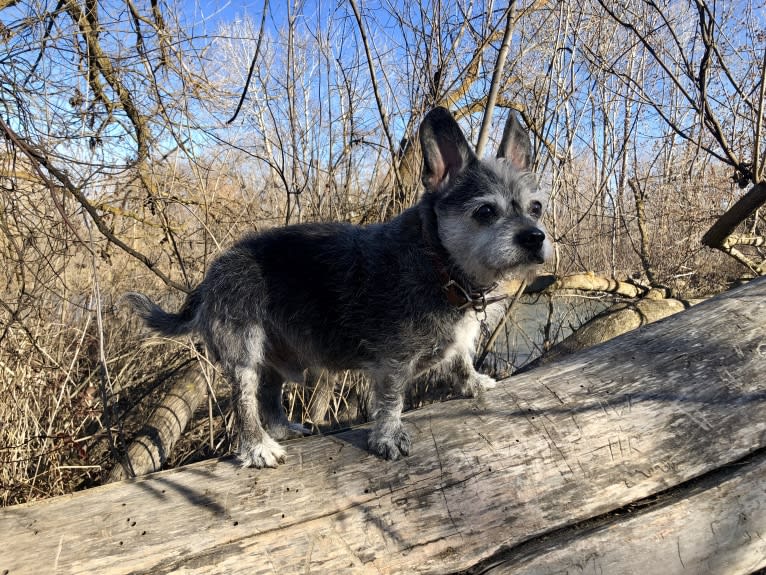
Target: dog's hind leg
(240,352)
(388,437)
(271,406)
(256,447)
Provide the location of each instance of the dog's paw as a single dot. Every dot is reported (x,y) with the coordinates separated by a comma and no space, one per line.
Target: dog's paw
(390,444)
(266,453)
(477,384)
(484,382)
(288,430)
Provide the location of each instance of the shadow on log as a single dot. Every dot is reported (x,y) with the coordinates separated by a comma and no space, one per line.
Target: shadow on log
(646,454)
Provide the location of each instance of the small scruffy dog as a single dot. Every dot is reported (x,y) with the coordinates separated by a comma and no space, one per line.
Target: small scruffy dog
(393,299)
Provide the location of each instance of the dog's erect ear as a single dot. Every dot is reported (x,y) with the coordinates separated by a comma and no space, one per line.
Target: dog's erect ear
(515,146)
(445,150)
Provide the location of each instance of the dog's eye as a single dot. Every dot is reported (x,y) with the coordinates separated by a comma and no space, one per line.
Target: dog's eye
(485,214)
(535,209)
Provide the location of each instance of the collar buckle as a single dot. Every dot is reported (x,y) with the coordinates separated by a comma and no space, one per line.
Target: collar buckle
(476,299)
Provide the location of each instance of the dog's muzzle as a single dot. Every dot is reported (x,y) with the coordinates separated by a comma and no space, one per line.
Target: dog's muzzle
(532,239)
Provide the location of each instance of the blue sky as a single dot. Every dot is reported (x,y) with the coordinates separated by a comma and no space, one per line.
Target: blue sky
(214,12)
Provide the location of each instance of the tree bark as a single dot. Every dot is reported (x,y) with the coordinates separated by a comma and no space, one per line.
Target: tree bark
(734,216)
(150,449)
(585,282)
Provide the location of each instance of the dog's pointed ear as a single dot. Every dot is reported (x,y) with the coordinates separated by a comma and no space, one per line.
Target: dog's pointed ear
(515,146)
(445,149)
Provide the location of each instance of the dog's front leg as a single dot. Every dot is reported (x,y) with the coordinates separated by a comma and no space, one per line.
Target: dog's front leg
(388,438)
(470,382)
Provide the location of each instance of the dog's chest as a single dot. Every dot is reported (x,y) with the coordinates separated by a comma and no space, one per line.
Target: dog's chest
(448,339)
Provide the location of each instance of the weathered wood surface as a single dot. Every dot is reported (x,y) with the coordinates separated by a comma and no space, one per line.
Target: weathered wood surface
(646,454)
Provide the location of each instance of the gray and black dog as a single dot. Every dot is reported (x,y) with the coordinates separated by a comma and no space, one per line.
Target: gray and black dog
(393,299)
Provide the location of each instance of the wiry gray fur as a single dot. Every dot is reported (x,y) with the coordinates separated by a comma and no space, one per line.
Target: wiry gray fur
(339,296)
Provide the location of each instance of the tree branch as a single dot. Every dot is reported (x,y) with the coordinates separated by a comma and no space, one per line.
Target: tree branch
(376,92)
(40,160)
(497,75)
(99,63)
(738,213)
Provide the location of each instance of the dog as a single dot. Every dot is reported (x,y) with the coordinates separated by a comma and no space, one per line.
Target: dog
(394,299)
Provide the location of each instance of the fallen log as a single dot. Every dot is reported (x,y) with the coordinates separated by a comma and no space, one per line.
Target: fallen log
(606,461)
(154,442)
(584,282)
(617,319)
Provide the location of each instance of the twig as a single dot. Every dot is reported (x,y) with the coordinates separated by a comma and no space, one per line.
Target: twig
(376,92)
(499,326)
(497,75)
(105,384)
(252,63)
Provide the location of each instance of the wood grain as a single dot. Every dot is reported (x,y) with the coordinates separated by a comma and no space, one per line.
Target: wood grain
(714,526)
(543,457)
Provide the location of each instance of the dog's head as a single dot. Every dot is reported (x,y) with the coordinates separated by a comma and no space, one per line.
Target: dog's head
(488,211)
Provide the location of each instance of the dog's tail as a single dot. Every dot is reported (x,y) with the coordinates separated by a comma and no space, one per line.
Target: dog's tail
(156,318)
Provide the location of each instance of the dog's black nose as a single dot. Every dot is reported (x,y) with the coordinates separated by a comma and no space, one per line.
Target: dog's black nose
(531,238)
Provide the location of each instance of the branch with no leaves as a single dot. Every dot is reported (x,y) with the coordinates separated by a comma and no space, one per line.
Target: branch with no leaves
(699,100)
(99,63)
(252,63)
(497,75)
(376,92)
(741,210)
(44,166)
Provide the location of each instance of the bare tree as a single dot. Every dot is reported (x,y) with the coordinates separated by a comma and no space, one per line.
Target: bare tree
(717,70)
